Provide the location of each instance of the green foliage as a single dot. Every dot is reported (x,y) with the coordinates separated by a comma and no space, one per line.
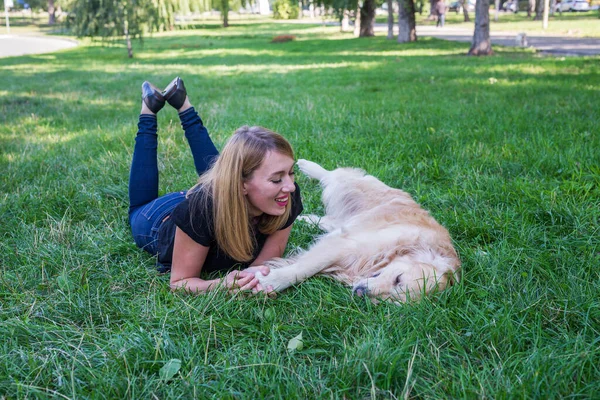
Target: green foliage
(106,18)
(33,4)
(285,9)
(339,6)
(225,6)
(509,165)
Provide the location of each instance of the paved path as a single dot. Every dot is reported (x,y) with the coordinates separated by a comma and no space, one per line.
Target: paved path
(558,45)
(17,45)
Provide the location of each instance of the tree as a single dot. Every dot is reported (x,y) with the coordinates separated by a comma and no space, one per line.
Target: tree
(407,27)
(496,10)
(482,46)
(225,6)
(390,19)
(539,10)
(465,5)
(110,18)
(357,22)
(128,18)
(51,13)
(367,18)
(48,5)
(364,12)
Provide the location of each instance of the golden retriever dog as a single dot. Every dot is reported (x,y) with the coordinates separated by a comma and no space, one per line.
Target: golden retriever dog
(378,240)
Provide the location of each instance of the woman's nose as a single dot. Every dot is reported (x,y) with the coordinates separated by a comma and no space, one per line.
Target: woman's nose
(289,185)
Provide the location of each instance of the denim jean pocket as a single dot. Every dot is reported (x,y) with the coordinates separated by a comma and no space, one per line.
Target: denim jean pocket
(159,220)
(146,221)
(158,207)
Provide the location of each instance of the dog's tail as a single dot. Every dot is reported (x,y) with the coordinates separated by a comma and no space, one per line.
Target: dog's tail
(311,169)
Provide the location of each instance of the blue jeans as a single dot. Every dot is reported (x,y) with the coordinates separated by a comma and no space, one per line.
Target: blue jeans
(146,209)
(440,21)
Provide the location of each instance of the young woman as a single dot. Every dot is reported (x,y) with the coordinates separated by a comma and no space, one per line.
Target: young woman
(240,213)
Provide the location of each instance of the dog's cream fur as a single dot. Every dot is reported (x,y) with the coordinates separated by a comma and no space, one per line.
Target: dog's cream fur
(378,240)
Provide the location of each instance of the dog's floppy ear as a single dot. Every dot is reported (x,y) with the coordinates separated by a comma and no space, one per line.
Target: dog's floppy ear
(451,277)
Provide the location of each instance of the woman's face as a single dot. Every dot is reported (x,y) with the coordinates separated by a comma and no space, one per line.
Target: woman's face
(268,189)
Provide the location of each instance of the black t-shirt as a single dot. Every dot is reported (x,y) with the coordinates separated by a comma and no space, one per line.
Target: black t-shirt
(200,228)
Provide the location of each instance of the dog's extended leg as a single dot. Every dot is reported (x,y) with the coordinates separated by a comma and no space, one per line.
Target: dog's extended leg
(323,254)
(312,169)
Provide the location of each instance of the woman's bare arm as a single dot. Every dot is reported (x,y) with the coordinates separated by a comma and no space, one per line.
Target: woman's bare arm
(188,260)
(274,246)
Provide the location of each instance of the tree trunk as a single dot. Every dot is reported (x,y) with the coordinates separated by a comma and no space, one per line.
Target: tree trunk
(367,19)
(432,15)
(225,12)
(127,39)
(545,16)
(482,46)
(465,11)
(407,27)
(496,10)
(390,21)
(530,7)
(346,21)
(357,22)
(539,11)
(51,13)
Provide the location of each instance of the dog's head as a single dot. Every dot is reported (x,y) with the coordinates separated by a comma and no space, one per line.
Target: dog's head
(400,281)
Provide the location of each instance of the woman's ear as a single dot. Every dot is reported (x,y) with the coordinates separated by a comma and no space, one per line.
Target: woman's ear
(244,188)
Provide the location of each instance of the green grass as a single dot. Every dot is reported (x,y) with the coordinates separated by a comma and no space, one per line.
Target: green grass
(502,150)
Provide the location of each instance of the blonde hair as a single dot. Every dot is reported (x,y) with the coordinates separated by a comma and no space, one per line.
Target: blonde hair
(222,185)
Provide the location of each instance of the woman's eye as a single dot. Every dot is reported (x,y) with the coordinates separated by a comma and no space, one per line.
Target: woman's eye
(276,181)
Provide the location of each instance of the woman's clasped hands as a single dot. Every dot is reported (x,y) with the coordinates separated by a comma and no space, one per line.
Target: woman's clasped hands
(246,281)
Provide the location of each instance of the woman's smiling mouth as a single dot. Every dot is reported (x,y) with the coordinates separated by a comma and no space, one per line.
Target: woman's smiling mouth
(282,201)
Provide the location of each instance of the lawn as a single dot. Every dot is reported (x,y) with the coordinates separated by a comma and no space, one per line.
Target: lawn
(503,150)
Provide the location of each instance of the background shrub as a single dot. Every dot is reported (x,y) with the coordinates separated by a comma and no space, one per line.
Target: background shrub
(285,9)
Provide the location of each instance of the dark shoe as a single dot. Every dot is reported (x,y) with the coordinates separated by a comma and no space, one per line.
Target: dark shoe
(175,93)
(153,97)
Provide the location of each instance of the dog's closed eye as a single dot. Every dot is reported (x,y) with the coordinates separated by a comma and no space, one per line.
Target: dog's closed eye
(398,279)
(376,274)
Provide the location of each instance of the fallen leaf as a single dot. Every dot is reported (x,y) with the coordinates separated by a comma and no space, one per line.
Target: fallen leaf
(296,343)
(170,369)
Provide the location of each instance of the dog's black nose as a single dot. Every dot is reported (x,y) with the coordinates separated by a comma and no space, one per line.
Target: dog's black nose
(360,290)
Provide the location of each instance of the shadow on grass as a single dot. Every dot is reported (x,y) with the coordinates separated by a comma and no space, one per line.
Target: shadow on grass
(74,89)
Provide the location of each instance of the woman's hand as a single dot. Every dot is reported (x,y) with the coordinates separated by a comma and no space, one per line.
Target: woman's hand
(237,281)
(263,269)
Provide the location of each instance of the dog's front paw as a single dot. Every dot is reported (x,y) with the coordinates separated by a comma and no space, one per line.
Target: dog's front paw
(311,169)
(275,279)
